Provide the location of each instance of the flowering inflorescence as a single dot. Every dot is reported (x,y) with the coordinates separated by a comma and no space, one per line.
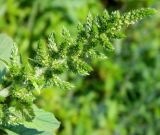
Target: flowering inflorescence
(54,58)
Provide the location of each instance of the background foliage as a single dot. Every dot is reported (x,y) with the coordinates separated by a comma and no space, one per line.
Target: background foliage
(121,96)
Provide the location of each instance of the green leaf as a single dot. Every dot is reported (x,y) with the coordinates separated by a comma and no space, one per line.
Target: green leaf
(44,121)
(43,124)
(21,130)
(6,45)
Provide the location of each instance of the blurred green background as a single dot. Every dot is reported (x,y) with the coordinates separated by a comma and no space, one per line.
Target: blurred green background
(121,95)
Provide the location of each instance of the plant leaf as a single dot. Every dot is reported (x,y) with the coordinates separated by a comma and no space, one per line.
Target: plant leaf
(43,124)
(44,121)
(6,45)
